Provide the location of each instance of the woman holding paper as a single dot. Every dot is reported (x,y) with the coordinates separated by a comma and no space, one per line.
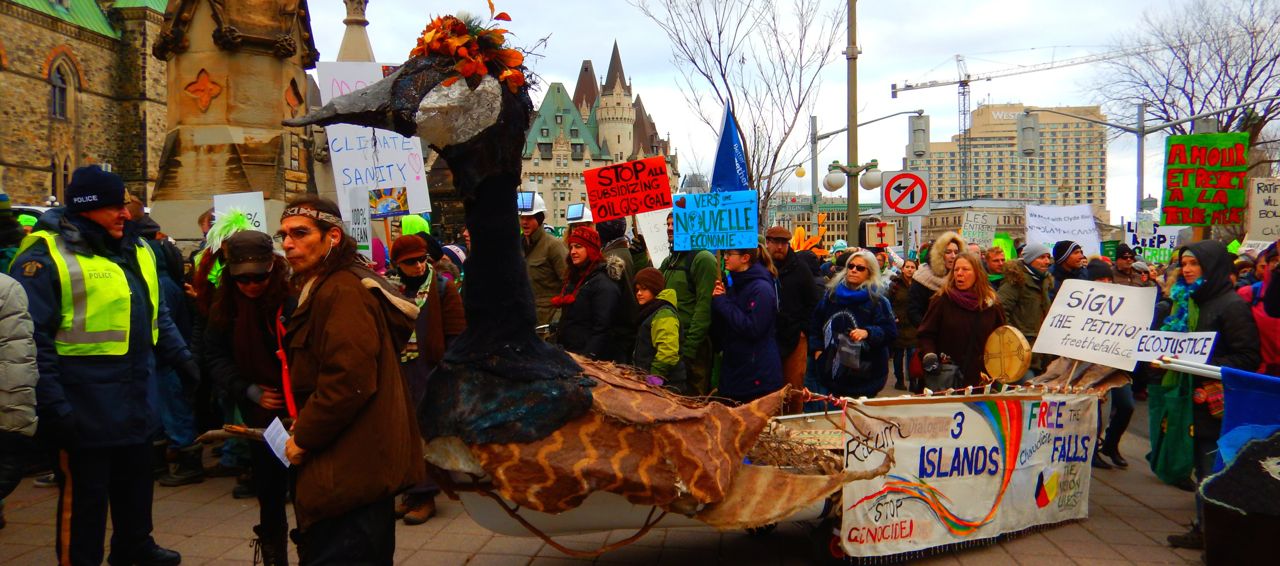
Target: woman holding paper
(240,348)
(961,316)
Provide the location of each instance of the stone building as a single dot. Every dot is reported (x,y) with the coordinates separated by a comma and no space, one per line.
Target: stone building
(235,70)
(79,86)
(599,125)
(1071,167)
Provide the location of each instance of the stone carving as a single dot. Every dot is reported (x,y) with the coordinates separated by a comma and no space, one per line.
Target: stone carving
(204,90)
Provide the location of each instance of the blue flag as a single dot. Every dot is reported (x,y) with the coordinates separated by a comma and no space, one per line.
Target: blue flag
(730,170)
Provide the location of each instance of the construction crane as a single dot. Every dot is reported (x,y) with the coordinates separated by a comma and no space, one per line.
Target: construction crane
(964,79)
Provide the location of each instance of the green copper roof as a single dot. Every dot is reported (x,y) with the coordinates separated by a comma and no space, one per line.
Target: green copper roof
(157,5)
(81,13)
(558,103)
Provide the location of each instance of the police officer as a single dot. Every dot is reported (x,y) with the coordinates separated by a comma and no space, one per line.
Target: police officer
(100,322)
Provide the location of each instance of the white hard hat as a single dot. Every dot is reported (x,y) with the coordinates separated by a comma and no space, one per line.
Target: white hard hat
(539,205)
(586,216)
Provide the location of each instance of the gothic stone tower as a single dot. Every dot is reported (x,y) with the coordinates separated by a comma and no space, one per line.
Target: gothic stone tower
(616,114)
(236,68)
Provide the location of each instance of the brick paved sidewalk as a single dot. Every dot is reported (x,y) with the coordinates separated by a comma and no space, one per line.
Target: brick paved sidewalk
(1130,511)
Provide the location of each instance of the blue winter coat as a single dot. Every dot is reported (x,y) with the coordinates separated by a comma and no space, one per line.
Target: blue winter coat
(874,314)
(743,323)
(105,396)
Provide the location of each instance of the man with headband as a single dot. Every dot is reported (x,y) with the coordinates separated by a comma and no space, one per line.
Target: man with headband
(355,439)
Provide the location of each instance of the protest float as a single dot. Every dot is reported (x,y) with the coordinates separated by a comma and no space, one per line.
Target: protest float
(538,442)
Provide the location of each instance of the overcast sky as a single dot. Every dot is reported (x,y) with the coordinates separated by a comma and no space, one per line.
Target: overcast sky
(913,40)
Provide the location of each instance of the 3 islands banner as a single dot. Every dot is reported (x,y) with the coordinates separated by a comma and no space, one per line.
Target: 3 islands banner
(964,470)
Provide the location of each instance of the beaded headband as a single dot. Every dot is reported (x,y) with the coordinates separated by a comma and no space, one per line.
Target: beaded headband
(311,213)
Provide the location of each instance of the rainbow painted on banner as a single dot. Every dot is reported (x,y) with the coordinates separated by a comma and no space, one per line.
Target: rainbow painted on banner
(1004,418)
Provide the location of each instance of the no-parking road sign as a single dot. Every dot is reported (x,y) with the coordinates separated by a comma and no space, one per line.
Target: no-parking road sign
(906,193)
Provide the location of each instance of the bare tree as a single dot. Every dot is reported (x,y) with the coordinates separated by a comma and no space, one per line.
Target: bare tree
(1198,56)
(763,62)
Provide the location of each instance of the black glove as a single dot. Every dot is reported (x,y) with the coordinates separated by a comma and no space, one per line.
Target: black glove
(189,373)
(929,363)
(58,431)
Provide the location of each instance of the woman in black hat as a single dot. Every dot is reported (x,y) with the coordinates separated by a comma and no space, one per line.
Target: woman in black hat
(242,345)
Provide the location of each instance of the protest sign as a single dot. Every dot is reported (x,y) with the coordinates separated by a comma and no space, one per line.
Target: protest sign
(369,158)
(1110,248)
(1264,210)
(626,189)
(1204,178)
(388,203)
(1049,225)
(1096,322)
(881,235)
(1151,240)
(964,470)
(979,228)
(1186,346)
(653,226)
(251,204)
(715,221)
(358,223)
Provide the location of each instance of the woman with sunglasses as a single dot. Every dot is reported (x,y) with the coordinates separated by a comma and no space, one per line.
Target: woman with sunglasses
(854,307)
(743,318)
(246,322)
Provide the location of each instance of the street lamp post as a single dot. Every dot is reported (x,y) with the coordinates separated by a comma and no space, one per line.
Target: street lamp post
(814,138)
(1141,129)
(851,54)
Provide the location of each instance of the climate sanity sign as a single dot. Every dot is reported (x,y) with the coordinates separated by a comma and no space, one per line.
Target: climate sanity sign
(964,469)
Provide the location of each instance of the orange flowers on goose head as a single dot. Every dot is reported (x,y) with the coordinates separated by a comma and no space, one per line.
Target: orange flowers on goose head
(475,48)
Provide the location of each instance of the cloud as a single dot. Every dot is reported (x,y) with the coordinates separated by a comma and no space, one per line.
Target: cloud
(902,40)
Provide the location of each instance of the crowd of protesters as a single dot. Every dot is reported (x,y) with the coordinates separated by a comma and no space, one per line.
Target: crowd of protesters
(124,355)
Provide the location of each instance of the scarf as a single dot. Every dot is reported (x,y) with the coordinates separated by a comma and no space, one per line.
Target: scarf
(567,296)
(412,284)
(1179,319)
(846,296)
(253,341)
(967,300)
(1036,274)
(647,309)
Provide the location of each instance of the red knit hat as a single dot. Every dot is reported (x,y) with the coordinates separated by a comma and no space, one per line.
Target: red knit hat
(586,237)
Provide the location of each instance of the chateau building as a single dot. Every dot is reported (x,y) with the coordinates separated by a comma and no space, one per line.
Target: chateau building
(79,86)
(598,125)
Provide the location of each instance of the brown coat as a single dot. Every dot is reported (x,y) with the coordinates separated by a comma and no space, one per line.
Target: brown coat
(355,422)
(961,334)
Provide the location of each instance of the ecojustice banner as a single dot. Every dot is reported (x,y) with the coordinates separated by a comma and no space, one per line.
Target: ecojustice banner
(1204,178)
(964,470)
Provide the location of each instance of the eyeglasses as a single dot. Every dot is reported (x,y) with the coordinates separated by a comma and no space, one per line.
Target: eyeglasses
(858,268)
(294,233)
(413,261)
(248,278)
(1127,257)
(778,241)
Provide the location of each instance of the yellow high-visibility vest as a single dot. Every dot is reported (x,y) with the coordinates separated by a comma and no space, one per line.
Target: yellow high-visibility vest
(95,298)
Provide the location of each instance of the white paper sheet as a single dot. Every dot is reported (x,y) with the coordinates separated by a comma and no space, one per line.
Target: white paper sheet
(276,436)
